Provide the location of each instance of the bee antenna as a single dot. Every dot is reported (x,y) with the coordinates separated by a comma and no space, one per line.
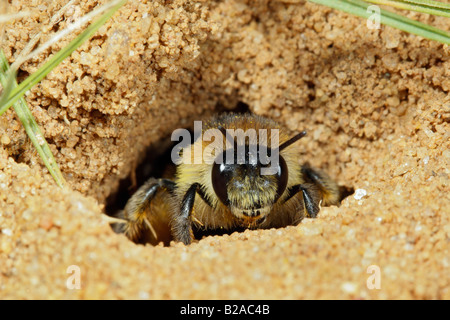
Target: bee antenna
(292,140)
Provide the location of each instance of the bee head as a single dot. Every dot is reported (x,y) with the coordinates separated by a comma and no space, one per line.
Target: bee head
(245,185)
(245,189)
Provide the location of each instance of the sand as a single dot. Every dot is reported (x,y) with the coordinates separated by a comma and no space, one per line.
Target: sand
(375,103)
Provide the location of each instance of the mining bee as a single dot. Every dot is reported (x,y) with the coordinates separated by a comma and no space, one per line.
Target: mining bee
(248,181)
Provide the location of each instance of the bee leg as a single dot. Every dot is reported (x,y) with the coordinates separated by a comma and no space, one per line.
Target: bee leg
(138,206)
(311,197)
(328,188)
(182,222)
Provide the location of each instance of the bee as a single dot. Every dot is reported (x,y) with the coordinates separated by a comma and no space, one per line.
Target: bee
(248,181)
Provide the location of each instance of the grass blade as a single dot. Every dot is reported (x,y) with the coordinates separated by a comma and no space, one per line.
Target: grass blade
(12,94)
(56,59)
(29,123)
(434,8)
(13,16)
(359,8)
(429,3)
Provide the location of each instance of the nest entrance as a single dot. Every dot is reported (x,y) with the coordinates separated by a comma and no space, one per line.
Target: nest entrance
(157,163)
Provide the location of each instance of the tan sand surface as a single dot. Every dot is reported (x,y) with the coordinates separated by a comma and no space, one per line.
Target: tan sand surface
(375,103)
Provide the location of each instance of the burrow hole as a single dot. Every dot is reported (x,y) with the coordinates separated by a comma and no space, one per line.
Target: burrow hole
(157,163)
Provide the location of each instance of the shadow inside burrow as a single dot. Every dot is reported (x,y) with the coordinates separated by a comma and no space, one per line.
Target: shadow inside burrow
(157,163)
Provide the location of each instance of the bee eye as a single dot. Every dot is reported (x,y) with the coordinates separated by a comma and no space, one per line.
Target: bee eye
(282,177)
(220,178)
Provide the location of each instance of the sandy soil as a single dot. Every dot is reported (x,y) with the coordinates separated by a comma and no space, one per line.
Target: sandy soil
(376,105)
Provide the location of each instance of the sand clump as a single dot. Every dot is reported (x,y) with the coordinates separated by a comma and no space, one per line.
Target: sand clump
(375,103)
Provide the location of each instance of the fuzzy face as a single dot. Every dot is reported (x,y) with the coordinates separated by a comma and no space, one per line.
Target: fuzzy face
(238,191)
(244,188)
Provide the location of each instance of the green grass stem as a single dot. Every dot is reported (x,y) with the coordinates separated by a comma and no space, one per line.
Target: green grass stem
(360,8)
(13,94)
(29,123)
(431,7)
(56,59)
